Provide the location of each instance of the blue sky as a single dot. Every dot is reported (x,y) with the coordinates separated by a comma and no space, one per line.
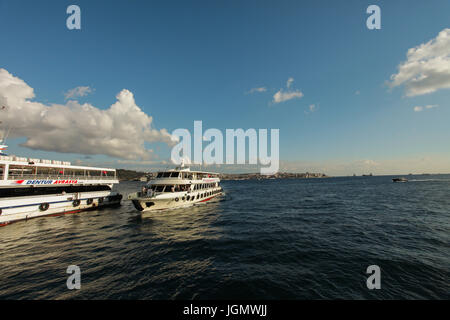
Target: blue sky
(198,60)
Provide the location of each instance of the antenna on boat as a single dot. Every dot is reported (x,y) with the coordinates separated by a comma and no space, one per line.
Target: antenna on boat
(3,139)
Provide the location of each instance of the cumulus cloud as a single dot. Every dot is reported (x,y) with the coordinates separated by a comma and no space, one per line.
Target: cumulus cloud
(427,68)
(289,82)
(281,95)
(185,159)
(369,162)
(77,92)
(260,89)
(417,164)
(311,108)
(427,107)
(119,131)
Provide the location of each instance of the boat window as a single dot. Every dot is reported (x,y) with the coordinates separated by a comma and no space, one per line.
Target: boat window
(166,175)
(159,175)
(159,188)
(22,192)
(174,174)
(170,189)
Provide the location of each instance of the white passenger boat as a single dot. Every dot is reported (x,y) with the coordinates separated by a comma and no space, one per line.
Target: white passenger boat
(177,188)
(32,188)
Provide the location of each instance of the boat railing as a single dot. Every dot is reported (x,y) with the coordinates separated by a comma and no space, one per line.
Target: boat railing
(57,177)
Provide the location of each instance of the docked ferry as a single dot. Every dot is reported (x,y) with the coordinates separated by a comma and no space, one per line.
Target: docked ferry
(175,188)
(32,188)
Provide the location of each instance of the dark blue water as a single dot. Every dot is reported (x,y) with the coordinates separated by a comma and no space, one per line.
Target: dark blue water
(273,239)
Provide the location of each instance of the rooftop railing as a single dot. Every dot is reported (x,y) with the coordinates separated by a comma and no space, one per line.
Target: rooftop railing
(57,177)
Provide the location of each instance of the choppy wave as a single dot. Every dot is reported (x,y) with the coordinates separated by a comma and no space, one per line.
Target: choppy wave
(274,239)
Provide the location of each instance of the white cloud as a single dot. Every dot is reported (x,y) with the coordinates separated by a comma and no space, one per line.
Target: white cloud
(77,92)
(417,164)
(119,131)
(260,89)
(185,159)
(281,96)
(427,68)
(427,107)
(289,82)
(369,162)
(311,108)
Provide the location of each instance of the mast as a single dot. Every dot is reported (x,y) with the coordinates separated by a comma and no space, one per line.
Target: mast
(3,137)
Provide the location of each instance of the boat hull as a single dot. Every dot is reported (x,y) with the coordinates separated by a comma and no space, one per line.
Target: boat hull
(24,208)
(153,204)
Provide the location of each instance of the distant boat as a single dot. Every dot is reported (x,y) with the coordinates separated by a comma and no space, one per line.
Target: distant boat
(400,180)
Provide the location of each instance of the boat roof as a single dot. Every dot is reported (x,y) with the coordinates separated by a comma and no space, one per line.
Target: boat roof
(188,170)
(51,165)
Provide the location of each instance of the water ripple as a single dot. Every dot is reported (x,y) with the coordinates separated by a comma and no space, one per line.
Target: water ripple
(274,239)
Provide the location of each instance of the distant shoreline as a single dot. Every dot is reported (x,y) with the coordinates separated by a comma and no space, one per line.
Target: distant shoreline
(131,175)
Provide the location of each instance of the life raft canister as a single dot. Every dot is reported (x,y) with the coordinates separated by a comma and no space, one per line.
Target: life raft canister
(44,206)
